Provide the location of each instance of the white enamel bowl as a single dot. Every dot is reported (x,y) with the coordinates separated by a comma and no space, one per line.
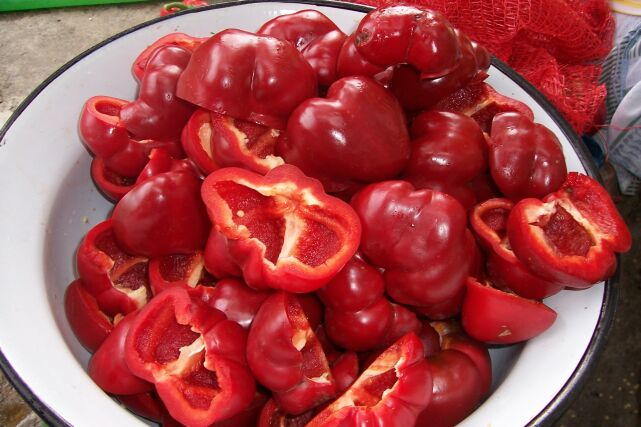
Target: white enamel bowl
(48,202)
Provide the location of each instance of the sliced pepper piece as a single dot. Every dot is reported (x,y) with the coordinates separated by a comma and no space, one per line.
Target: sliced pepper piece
(392,391)
(489,222)
(497,317)
(194,356)
(117,280)
(572,235)
(184,270)
(112,185)
(286,357)
(282,230)
(89,324)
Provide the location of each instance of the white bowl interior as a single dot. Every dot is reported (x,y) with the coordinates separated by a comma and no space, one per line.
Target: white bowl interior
(48,203)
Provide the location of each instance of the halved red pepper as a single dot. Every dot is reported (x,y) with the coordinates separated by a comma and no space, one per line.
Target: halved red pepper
(117,280)
(497,317)
(157,113)
(196,140)
(282,230)
(112,185)
(489,222)
(392,391)
(194,356)
(572,235)
(358,316)
(184,270)
(247,76)
(526,158)
(89,324)
(174,39)
(420,238)
(286,357)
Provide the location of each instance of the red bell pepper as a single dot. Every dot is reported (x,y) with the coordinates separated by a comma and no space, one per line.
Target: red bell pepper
(106,136)
(108,368)
(420,238)
(112,185)
(194,356)
(497,317)
(174,39)
(244,144)
(239,302)
(416,93)
(314,35)
(423,38)
(247,76)
(345,370)
(89,324)
(157,113)
(282,230)
(147,405)
(351,63)
(286,357)
(272,416)
(356,134)
(358,316)
(196,140)
(161,216)
(526,158)
(481,102)
(161,161)
(184,270)
(462,376)
(572,235)
(449,151)
(218,261)
(116,280)
(489,222)
(392,391)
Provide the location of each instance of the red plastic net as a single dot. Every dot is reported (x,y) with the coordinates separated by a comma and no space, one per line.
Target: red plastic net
(557,45)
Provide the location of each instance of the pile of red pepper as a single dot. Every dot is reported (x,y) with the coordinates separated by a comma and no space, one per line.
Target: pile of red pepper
(322,229)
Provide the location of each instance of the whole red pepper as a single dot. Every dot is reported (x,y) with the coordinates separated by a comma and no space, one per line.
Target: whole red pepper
(193,355)
(401,34)
(572,235)
(356,134)
(117,280)
(247,76)
(358,316)
(282,230)
(173,39)
(526,158)
(420,238)
(392,391)
(449,151)
(157,113)
(161,216)
(489,222)
(286,357)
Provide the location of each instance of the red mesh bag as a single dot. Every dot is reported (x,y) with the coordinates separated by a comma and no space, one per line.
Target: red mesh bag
(557,45)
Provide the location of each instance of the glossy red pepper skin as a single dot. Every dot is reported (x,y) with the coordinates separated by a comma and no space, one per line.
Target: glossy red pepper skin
(497,317)
(196,140)
(392,391)
(356,134)
(157,113)
(462,373)
(351,63)
(489,222)
(526,158)
(112,185)
(88,323)
(174,39)
(572,235)
(239,302)
(244,144)
(108,367)
(193,355)
(282,230)
(218,260)
(146,405)
(286,357)
(161,161)
(416,93)
(421,37)
(322,54)
(117,280)
(358,316)
(432,251)
(247,76)
(272,416)
(161,216)
(449,150)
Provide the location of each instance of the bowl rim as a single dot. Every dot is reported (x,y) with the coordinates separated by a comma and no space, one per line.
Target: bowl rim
(572,386)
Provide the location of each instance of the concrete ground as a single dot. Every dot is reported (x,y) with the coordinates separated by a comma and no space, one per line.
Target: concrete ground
(35,44)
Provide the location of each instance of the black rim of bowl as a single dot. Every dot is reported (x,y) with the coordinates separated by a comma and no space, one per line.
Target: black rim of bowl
(570,389)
